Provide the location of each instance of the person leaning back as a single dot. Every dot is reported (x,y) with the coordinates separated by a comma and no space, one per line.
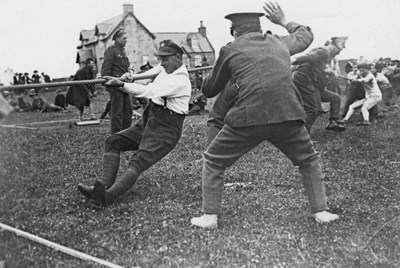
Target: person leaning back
(155,134)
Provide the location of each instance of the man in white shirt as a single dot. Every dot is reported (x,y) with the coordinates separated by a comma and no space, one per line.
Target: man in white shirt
(155,134)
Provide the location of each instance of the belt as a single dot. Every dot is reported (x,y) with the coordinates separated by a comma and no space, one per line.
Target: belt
(157,106)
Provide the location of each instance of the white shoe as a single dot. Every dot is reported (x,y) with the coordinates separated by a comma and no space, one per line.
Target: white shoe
(325,216)
(206,221)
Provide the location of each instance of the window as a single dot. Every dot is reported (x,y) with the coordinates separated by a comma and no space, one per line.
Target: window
(145,59)
(197,60)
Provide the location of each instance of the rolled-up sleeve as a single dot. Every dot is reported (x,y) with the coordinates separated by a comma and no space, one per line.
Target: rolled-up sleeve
(164,88)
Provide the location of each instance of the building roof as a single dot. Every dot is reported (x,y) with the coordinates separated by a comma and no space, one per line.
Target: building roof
(83,55)
(105,30)
(200,45)
(85,35)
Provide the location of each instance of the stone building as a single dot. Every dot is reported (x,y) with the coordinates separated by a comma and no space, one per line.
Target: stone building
(142,44)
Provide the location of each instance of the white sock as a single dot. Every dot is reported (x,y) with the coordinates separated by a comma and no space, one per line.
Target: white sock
(206,221)
(325,216)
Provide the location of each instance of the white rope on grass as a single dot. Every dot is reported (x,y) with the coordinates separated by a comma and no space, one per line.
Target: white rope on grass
(15,126)
(58,247)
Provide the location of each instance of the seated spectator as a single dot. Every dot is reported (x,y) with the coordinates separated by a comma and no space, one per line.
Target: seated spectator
(41,105)
(198,104)
(22,105)
(60,99)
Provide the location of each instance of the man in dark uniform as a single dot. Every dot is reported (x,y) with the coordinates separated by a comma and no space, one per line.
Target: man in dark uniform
(268,108)
(309,76)
(115,64)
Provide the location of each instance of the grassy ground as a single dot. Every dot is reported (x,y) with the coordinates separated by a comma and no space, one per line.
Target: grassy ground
(266,223)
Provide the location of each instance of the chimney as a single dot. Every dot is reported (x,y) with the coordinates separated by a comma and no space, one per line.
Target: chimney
(127,8)
(202,29)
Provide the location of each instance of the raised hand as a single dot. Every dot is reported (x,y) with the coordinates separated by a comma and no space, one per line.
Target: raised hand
(274,13)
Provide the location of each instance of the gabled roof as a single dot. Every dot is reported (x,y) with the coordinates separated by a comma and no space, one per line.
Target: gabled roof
(83,55)
(105,30)
(183,39)
(85,34)
(102,28)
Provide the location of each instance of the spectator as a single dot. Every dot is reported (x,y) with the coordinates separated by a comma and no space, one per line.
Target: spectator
(46,78)
(115,64)
(60,99)
(35,77)
(25,79)
(22,105)
(39,104)
(15,79)
(81,96)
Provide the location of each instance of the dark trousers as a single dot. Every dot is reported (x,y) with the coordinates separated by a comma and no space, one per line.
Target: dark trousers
(121,111)
(230,144)
(107,110)
(334,100)
(311,102)
(155,135)
(222,103)
(151,138)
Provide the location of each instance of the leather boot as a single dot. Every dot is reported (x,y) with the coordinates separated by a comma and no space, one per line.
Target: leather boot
(87,191)
(99,194)
(122,184)
(110,168)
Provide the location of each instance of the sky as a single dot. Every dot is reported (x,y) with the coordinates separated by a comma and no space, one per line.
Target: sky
(43,34)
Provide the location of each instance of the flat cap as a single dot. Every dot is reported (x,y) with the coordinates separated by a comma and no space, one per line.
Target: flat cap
(167,47)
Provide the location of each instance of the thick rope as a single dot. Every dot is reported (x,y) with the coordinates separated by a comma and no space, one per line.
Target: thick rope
(88,82)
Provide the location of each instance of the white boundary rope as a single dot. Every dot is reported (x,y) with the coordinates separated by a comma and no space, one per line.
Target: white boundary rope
(58,247)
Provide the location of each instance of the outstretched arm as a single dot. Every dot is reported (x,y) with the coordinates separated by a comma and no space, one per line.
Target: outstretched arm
(300,37)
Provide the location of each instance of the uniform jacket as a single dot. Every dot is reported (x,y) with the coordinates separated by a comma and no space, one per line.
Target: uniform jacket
(259,66)
(314,62)
(115,63)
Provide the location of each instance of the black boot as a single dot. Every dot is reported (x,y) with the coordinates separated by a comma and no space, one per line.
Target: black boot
(122,184)
(99,194)
(87,191)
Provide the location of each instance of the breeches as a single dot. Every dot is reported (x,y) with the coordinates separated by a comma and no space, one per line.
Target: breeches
(151,138)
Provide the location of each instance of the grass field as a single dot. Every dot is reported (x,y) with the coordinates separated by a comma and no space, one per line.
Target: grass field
(266,222)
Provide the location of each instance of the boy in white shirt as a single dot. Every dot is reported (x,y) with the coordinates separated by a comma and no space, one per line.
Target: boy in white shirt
(372,94)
